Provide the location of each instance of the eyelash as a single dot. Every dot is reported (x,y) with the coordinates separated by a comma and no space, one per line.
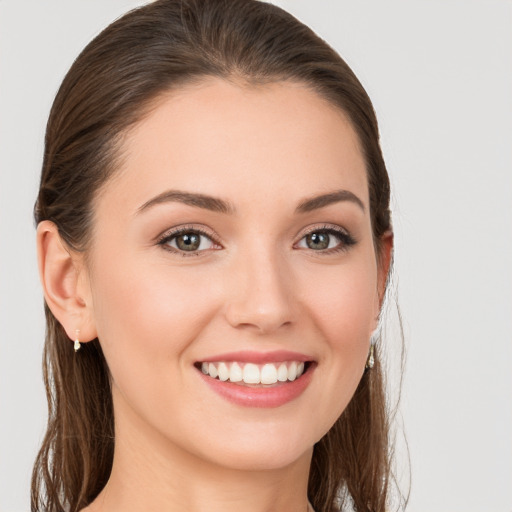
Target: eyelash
(167,237)
(346,240)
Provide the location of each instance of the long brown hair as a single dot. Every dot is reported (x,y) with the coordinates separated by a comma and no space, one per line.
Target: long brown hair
(109,88)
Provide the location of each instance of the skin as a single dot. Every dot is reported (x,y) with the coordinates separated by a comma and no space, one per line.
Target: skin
(258,286)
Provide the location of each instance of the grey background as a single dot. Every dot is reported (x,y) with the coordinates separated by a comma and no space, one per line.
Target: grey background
(440,76)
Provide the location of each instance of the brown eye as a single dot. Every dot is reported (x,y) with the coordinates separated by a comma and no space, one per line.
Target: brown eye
(327,240)
(318,241)
(188,241)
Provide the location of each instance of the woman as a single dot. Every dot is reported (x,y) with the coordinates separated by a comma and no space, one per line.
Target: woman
(214,243)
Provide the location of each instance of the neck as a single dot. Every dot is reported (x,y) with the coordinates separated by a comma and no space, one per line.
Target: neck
(152,473)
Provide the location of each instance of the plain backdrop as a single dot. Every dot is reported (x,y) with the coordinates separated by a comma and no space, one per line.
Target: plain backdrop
(440,75)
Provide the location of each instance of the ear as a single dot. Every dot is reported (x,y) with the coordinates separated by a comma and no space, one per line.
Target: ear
(384,259)
(65,284)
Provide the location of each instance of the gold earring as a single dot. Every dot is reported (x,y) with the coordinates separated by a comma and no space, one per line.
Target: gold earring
(370,362)
(77,341)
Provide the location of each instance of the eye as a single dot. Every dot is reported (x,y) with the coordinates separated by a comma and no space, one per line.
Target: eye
(187,240)
(327,239)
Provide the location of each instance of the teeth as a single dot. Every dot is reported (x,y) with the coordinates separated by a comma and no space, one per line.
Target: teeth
(223,372)
(212,370)
(235,374)
(292,371)
(250,373)
(268,374)
(282,373)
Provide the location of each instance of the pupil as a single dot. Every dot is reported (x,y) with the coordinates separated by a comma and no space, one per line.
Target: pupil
(318,241)
(188,242)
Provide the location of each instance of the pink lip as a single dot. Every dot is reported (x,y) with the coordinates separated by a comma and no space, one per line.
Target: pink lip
(271,396)
(276,356)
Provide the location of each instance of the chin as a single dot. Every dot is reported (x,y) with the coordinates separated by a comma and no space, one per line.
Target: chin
(264,459)
(259,451)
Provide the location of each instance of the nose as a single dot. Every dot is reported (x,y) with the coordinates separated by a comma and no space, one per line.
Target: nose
(261,295)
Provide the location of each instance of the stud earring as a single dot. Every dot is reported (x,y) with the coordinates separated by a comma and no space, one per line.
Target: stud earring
(77,341)
(370,362)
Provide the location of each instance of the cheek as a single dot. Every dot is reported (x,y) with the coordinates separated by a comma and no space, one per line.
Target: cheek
(345,306)
(146,314)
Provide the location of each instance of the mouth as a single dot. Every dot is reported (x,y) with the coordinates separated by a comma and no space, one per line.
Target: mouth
(249,374)
(258,379)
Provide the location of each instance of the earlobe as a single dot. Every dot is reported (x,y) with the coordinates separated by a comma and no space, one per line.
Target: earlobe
(60,273)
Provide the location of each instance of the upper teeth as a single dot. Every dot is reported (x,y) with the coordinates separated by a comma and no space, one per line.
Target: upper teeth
(250,373)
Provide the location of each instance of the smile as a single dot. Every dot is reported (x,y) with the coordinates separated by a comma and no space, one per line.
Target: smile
(250,373)
(253,379)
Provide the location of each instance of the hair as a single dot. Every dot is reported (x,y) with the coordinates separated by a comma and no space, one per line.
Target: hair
(110,87)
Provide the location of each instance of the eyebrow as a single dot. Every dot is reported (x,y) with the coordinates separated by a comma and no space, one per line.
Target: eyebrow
(316,202)
(192,199)
(218,205)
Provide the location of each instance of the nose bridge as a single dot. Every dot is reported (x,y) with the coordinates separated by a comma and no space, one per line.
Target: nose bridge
(261,292)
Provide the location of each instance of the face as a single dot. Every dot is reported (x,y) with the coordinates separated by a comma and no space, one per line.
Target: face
(235,243)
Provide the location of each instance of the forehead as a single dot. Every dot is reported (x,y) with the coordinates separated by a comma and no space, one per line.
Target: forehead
(249,143)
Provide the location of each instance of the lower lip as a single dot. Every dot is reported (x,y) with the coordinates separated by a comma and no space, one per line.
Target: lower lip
(269,396)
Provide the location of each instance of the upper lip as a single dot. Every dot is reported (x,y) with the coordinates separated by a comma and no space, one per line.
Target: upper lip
(252,356)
